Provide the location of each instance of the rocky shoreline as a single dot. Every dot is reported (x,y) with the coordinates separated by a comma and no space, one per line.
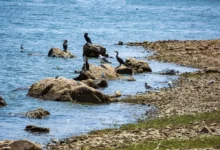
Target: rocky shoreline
(192,94)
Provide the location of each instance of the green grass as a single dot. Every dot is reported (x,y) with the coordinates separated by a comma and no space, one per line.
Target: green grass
(205,142)
(174,121)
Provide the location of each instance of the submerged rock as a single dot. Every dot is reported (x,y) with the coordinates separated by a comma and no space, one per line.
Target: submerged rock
(169,72)
(120,43)
(19,145)
(36,129)
(96,84)
(105,71)
(92,50)
(37,114)
(139,66)
(2,102)
(56,52)
(62,89)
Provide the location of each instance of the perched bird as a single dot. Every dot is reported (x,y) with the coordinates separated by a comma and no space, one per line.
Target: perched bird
(87,65)
(88,40)
(170,84)
(103,59)
(121,61)
(147,86)
(56,77)
(65,45)
(103,75)
(22,48)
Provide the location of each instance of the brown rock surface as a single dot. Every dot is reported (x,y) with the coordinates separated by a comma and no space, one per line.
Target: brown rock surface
(36,129)
(37,114)
(62,89)
(139,66)
(92,50)
(97,71)
(56,52)
(19,145)
(2,102)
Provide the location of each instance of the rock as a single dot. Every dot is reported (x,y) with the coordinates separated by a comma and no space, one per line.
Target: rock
(103,83)
(92,50)
(139,66)
(56,52)
(97,71)
(19,145)
(169,72)
(2,102)
(124,70)
(205,130)
(120,43)
(35,129)
(37,114)
(91,83)
(117,94)
(62,89)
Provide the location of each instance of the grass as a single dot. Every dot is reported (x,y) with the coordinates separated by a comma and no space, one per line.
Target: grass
(204,142)
(173,121)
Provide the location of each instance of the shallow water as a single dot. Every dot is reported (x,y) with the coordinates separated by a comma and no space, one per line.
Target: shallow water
(40,25)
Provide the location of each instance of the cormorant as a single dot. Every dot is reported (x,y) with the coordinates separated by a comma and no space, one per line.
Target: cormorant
(103,59)
(121,61)
(88,40)
(87,65)
(22,48)
(147,86)
(65,45)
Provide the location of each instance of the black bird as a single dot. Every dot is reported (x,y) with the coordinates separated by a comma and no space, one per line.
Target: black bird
(121,61)
(87,65)
(65,45)
(22,48)
(88,40)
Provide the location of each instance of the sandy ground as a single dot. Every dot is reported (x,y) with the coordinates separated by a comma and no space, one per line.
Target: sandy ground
(192,93)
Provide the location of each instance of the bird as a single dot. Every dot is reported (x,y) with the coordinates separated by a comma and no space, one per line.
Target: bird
(147,86)
(65,45)
(103,59)
(103,75)
(121,61)
(88,40)
(22,48)
(87,65)
(170,83)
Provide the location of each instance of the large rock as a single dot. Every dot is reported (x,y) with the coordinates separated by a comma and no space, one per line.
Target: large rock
(36,129)
(96,83)
(56,52)
(62,89)
(37,114)
(124,70)
(2,102)
(139,66)
(97,72)
(19,145)
(92,50)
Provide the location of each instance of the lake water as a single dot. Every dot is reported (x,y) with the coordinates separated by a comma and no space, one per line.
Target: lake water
(42,24)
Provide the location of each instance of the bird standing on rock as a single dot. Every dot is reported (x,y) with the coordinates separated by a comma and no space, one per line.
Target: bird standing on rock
(103,59)
(65,45)
(88,40)
(87,65)
(121,61)
(22,48)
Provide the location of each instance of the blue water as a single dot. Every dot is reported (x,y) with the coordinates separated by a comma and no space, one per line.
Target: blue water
(42,24)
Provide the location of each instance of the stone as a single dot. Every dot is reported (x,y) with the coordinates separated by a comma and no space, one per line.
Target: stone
(92,50)
(169,72)
(56,52)
(37,114)
(19,145)
(63,89)
(103,83)
(36,129)
(124,70)
(205,130)
(97,71)
(2,102)
(120,43)
(138,66)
